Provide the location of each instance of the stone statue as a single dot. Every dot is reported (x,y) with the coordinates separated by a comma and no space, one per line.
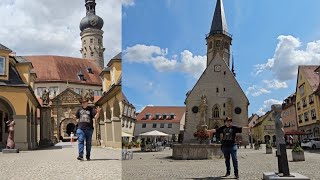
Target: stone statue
(283,165)
(45,97)
(10,140)
(203,110)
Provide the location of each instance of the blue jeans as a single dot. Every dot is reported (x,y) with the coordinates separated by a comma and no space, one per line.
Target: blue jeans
(227,151)
(84,134)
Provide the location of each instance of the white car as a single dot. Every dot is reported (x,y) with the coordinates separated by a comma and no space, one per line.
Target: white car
(313,143)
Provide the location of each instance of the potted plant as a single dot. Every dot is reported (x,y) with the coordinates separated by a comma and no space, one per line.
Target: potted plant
(130,144)
(138,143)
(202,136)
(268,148)
(297,153)
(125,144)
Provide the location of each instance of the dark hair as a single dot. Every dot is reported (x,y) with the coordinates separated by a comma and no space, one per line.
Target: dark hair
(228,119)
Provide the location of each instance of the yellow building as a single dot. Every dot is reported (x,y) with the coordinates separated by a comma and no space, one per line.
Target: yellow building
(17,100)
(308,100)
(111,104)
(264,129)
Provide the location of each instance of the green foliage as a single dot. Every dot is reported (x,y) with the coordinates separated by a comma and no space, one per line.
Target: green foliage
(297,148)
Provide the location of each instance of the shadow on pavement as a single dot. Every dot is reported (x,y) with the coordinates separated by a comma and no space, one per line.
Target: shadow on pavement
(213,178)
(105,160)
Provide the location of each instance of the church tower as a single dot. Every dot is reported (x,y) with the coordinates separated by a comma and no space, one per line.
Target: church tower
(218,39)
(91,34)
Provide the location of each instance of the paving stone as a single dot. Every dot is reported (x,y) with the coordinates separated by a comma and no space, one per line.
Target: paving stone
(60,162)
(252,165)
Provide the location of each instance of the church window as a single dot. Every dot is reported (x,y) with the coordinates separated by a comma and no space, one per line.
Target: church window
(84,41)
(224,89)
(237,110)
(91,54)
(216,113)
(224,72)
(224,113)
(2,65)
(224,105)
(91,40)
(210,45)
(217,90)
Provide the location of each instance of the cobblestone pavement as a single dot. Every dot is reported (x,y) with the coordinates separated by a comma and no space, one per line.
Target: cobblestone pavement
(252,164)
(59,162)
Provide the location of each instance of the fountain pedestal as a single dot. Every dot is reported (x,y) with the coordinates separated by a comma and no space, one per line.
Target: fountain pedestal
(196,151)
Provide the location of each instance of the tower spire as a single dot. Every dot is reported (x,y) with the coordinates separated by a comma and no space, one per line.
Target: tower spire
(219,23)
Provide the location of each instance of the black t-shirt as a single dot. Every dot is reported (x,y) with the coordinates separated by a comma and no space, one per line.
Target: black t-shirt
(85,116)
(229,135)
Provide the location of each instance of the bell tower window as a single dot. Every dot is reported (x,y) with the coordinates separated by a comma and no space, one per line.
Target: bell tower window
(210,45)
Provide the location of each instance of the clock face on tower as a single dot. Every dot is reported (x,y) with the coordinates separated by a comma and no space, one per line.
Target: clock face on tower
(217,68)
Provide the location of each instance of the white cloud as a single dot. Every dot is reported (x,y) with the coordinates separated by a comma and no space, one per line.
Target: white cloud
(256,91)
(267,106)
(52,27)
(288,55)
(127,3)
(186,62)
(275,84)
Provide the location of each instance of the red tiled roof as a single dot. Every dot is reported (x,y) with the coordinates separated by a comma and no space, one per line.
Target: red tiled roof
(311,76)
(153,110)
(63,69)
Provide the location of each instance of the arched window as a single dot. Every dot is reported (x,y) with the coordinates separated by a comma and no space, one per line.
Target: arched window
(216,111)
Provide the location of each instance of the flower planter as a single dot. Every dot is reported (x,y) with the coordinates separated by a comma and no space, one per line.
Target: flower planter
(298,156)
(268,150)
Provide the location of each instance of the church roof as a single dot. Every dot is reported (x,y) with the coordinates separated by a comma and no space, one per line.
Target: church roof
(219,23)
(65,69)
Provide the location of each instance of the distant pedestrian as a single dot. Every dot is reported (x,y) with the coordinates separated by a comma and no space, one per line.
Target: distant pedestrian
(71,138)
(228,144)
(85,116)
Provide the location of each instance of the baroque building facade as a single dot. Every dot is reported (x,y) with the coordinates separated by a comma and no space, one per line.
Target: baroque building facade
(17,100)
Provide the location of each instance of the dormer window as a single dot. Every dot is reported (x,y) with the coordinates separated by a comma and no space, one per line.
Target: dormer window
(158,116)
(172,116)
(2,65)
(148,115)
(164,116)
(89,70)
(81,76)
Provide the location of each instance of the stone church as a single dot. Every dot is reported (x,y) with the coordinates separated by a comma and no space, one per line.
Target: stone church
(217,87)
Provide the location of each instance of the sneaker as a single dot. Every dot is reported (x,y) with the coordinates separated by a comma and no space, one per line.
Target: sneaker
(236,176)
(227,174)
(80,158)
(88,159)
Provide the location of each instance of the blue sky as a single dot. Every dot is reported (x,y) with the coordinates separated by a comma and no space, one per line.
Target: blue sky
(164,48)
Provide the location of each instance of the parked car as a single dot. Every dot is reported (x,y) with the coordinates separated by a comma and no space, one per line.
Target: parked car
(313,143)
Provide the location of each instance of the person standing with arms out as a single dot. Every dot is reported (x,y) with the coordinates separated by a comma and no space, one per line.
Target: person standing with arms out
(228,144)
(85,116)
